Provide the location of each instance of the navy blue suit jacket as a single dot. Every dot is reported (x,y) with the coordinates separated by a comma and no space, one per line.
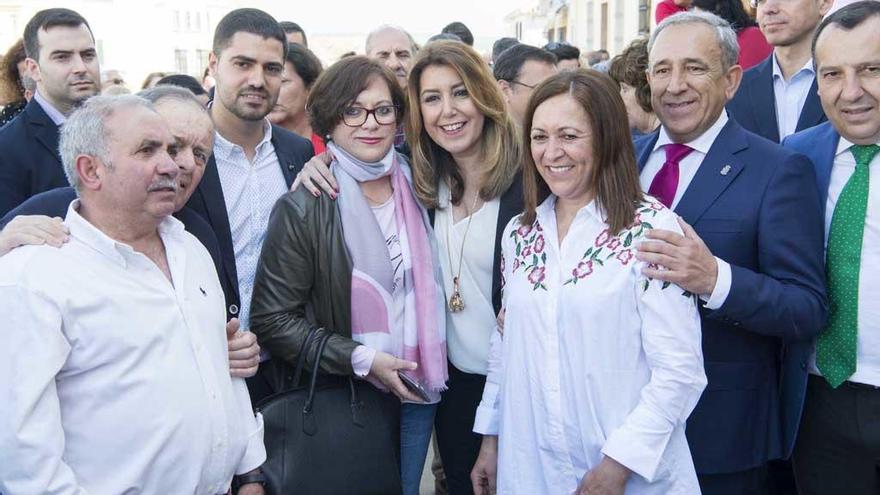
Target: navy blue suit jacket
(29,159)
(755,206)
(207,200)
(54,203)
(819,144)
(754,105)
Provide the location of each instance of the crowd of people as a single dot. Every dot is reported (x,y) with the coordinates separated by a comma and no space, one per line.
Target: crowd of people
(642,275)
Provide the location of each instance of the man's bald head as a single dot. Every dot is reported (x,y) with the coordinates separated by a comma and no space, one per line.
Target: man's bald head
(394,47)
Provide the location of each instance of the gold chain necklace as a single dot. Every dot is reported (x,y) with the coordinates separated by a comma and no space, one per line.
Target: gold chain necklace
(456,302)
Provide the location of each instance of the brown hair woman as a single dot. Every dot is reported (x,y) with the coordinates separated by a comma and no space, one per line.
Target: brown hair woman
(605,364)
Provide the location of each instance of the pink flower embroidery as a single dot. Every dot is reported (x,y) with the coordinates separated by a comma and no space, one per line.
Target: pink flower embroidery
(636,221)
(526,251)
(656,206)
(603,238)
(503,263)
(583,269)
(613,243)
(625,255)
(538,227)
(536,276)
(516,264)
(539,244)
(524,230)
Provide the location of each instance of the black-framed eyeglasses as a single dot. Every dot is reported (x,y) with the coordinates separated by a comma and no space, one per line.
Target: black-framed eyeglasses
(357,116)
(530,86)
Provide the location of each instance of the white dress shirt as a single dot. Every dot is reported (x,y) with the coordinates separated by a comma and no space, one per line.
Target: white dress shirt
(868,357)
(688,167)
(790,96)
(468,331)
(595,360)
(250,190)
(114,379)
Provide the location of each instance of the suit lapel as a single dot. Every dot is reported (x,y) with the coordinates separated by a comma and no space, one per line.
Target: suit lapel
(764,98)
(719,168)
(211,192)
(290,166)
(42,127)
(644,147)
(812,113)
(827,147)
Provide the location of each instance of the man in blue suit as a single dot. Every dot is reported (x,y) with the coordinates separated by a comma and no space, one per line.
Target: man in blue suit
(62,59)
(838,444)
(254,162)
(778,96)
(752,255)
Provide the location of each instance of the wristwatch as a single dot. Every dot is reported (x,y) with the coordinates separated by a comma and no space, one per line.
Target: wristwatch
(245,479)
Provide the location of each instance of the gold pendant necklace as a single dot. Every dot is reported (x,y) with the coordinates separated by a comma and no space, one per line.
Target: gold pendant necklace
(456,302)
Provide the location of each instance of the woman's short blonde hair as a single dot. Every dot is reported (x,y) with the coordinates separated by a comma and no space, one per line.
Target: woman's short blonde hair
(500,145)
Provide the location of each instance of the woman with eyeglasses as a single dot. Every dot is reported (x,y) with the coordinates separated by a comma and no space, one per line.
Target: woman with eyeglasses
(466,157)
(364,268)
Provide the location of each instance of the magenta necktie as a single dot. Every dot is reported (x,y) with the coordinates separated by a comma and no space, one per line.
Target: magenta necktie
(665,183)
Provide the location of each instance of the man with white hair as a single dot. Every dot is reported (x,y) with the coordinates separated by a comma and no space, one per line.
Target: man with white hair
(113,374)
(751,251)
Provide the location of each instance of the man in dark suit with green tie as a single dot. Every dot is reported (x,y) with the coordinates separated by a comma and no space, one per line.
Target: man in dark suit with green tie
(838,443)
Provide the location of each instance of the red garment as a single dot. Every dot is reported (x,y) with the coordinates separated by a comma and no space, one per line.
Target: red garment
(665,9)
(753,47)
(318,144)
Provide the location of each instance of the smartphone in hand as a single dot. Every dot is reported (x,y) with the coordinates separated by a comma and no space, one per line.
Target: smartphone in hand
(413,386)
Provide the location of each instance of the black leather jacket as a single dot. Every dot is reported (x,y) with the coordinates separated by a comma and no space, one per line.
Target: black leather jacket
(304,281)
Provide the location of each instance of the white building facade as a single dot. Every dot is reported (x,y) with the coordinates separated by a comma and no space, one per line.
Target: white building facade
(588,24)
(147,35)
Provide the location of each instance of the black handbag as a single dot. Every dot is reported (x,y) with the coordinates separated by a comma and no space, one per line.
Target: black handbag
(335,436)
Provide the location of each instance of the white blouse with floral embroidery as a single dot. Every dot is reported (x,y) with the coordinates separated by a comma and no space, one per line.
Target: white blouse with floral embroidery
(595,359)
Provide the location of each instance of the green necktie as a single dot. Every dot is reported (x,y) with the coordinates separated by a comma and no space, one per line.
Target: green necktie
(836,347)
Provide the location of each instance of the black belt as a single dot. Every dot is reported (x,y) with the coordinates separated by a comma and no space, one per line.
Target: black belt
(860,386)
(847,384)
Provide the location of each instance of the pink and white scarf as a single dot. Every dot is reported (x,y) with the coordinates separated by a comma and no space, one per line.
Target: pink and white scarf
(424,338)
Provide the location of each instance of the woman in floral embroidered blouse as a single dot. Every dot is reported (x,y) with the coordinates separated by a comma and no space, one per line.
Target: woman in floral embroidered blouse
(598,366)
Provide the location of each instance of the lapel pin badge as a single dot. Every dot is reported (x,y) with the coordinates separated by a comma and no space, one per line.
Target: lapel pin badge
(725,170)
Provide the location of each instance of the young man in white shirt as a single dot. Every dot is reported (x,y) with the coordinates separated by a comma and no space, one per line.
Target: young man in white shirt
(254,162)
